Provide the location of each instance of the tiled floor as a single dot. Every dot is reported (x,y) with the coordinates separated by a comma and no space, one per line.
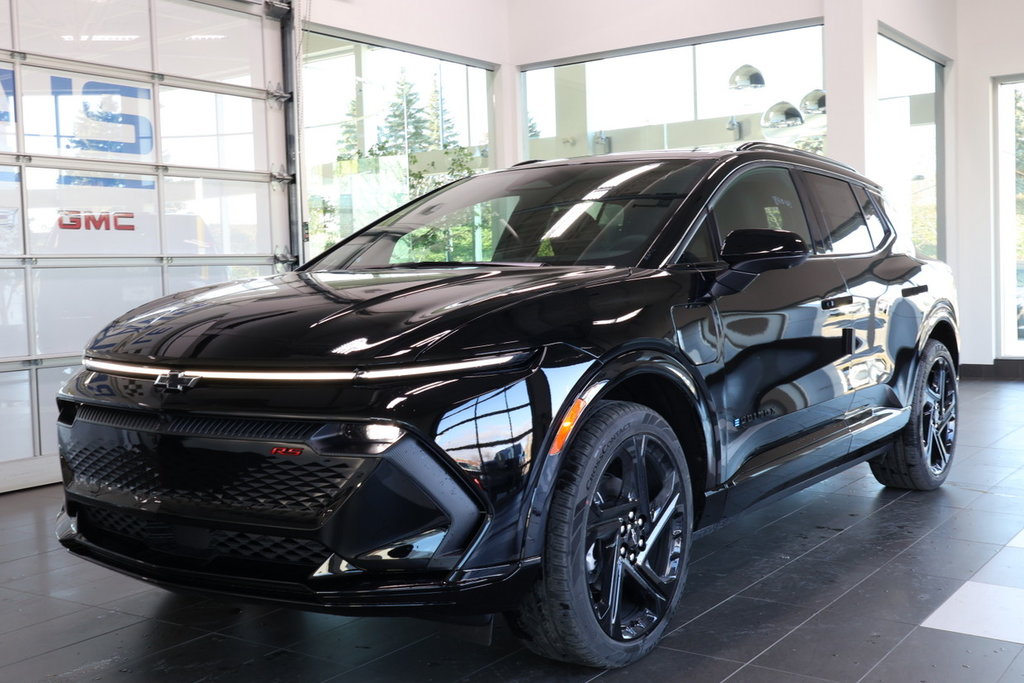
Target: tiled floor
(846,581)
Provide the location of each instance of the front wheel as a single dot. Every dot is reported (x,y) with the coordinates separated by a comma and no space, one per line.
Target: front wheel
(617,542)
(923,453)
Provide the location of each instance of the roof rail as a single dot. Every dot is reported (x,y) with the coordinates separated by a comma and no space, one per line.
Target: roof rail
(773,146)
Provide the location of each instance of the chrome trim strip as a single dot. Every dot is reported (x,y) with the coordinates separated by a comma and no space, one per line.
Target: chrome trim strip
(325,376)
(412,370)
(123,369)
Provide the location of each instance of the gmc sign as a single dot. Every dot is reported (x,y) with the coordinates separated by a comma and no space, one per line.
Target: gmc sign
(73,219)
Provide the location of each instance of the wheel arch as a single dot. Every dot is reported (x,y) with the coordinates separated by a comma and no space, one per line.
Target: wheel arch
(945,332)
(680,409)
(657,380)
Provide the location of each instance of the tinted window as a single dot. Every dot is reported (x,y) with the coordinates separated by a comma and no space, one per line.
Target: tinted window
(843,220)
(763,198)
(875,225)
(701,248)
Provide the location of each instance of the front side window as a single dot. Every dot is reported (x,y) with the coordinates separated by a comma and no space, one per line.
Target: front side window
(764,198)
(606,214)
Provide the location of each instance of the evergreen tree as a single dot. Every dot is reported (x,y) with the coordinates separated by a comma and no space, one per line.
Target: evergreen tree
(406,126)
(442,128)
(532,129)
(348,144)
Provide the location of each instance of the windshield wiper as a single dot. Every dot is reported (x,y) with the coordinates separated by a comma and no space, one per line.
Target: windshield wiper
(452,264)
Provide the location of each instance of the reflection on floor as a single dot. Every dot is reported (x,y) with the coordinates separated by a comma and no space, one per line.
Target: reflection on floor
(846,581)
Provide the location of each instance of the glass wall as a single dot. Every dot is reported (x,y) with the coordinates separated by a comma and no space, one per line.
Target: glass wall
(909,94)
(1011,218)
(381,126)
(137,144)
(768,86)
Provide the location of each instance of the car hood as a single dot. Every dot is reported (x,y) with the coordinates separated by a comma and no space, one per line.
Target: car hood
(343,318)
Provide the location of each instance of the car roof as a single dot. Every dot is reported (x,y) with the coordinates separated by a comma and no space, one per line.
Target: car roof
(749,151)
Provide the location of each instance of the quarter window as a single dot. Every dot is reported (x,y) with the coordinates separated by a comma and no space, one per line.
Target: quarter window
(875,225)
(763,198)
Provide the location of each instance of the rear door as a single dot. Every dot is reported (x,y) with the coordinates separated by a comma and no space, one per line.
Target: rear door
(877,280)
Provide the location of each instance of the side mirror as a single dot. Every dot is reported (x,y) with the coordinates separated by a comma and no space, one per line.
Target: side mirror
(750,252)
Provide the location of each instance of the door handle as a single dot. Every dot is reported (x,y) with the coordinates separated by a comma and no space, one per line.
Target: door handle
(836,302)
(911,291)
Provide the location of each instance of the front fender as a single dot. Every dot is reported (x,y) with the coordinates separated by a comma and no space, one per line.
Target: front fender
(610,379)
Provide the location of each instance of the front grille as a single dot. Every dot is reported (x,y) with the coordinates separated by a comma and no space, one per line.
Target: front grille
(202,426)
(237,428)
(122,419)
(187,540)
(204,462)
(234,482)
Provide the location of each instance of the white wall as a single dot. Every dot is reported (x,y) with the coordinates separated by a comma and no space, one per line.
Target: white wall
(477,29)
(544,30)
(988,46)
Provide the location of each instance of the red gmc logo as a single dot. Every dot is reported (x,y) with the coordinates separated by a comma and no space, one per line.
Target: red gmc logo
(72,219)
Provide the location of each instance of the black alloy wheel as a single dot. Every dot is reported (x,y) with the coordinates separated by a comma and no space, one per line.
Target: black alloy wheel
(634,538)
(923,454)
(938,415)
(618,539)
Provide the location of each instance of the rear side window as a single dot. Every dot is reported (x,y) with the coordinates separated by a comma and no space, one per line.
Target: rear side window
(841,214)
(763,198)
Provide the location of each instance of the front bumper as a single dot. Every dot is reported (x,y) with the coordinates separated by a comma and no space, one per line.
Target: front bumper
(291,511)
(469,592)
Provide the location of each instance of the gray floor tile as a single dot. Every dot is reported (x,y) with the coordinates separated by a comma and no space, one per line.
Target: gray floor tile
(932,655)
(835,647)
(739,629)
(941,556)
(1005,569)
(664,664)
(60,632)
(218,658)
(895,595)
(808,583)
(102,657)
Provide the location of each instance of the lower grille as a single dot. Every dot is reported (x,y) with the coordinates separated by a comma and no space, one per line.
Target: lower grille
(194,541)
(210,475)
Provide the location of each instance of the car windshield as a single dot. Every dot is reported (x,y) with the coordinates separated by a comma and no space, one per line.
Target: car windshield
(591,213)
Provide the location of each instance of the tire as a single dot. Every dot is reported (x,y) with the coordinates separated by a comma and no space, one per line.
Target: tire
(616,543)
(923,453)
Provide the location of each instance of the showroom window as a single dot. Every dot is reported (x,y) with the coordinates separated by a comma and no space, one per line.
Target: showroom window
(1010,159)
(140,155)
(909,97)
(381,126)
(767,86)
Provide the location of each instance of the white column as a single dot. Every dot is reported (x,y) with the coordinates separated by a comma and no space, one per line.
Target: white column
(851,75)
(507,131)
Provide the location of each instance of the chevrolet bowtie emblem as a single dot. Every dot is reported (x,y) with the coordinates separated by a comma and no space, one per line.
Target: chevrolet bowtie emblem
(174,382)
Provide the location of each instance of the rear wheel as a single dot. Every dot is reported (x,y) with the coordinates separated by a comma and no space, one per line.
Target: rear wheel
(617,542)
(923,453)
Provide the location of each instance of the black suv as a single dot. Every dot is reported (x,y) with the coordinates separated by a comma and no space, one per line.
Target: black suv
(525,392)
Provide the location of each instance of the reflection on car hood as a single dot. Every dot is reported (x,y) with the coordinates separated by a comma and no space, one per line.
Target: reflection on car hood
(335,318)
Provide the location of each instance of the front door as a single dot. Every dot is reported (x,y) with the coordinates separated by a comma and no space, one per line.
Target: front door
(783,342)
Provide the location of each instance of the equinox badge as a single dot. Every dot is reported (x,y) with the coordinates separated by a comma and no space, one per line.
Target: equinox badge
(174,382)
